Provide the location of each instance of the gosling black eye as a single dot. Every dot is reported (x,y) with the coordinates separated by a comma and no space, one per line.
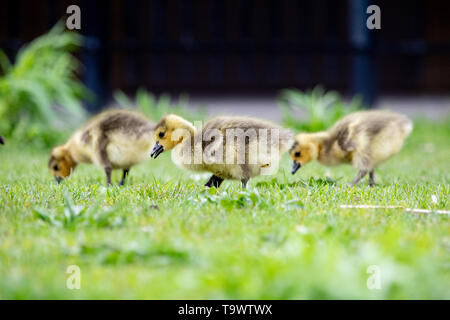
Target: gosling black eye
(161,134)
(55,167)
(297,154)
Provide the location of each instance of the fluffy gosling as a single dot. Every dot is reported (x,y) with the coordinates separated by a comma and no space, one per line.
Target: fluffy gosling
(364,139)
(115,139)
(224,158)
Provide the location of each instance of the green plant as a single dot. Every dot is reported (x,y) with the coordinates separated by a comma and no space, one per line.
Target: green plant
(41,88)
(320,109)
(75,216)
(155,108)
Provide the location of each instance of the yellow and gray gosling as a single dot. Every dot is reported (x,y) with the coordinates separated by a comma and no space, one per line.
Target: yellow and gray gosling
(183,148)
(115,139)
(364,139)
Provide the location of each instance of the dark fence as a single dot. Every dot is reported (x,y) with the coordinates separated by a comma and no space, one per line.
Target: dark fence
(213,46)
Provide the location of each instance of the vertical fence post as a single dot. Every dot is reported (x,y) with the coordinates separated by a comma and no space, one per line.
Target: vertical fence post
(94,55)
(362,75)
(13,37)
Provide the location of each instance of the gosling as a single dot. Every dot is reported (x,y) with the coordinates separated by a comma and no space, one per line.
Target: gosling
(363,139)
(115,139)
(212,148)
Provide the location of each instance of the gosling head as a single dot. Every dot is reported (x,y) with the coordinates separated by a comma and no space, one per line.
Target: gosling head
(61,163)
(303,151)
(170,131)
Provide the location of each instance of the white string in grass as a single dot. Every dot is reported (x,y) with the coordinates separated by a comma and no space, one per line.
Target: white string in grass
(416,210)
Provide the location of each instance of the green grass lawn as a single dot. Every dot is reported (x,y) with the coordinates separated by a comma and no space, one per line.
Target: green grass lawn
(164,236)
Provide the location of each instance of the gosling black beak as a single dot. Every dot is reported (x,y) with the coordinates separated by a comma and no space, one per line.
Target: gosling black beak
(157,150)
(295,166)
(58,179)
(2,141)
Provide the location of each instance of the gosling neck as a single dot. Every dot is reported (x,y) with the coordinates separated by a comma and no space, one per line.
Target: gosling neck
(190,127)
(321,139)
(74,156)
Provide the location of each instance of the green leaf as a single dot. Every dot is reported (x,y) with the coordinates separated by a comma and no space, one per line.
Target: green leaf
(5,64)
(293,204)
(123,100)
(37,95)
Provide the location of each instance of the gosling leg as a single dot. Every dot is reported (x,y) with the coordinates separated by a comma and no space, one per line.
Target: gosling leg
(101,148)
(244,183)
(108,171)
(361,174)
(214,181)
(371,178)
(124,176)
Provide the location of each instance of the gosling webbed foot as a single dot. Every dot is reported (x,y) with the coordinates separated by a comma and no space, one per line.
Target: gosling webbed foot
(214,181)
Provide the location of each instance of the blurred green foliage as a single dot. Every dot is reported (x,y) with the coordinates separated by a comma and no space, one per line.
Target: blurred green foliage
(155,108)
(41,91)
(314,110)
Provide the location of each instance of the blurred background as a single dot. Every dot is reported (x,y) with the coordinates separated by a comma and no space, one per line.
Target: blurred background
(235,56)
